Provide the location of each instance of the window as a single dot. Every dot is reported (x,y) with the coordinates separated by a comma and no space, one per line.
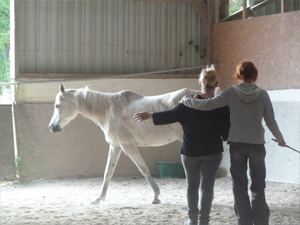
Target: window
(4,50)
(235,5)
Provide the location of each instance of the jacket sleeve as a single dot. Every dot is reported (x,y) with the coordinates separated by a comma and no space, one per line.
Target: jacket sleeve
(208,104)
(169,116)
(269,118)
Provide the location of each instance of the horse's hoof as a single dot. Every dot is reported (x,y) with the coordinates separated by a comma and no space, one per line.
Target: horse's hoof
(96,202)
(156,201)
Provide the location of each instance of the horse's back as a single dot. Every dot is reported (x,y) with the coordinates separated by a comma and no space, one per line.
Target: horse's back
(135,101)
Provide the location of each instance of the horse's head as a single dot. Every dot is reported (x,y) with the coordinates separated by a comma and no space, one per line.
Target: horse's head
(64,109)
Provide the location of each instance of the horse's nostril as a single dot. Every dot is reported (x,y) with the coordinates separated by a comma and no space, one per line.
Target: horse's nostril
(51,127)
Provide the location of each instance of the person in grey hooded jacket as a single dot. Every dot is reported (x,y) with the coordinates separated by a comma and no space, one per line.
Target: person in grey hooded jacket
(248,105)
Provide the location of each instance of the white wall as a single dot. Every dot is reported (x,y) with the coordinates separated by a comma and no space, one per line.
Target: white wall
(283,164)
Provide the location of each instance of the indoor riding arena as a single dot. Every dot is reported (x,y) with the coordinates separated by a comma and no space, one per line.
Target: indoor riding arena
(81,175)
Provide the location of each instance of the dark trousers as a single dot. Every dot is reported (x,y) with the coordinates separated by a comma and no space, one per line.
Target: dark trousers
(256,211)
(200,173)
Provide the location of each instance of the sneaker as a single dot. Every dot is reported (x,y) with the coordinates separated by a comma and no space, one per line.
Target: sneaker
(191,222)
(201,223)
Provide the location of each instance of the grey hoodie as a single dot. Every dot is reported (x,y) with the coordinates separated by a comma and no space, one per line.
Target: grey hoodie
(248,105)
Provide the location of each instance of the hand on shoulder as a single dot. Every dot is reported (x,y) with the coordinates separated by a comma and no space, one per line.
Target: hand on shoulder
(186,96)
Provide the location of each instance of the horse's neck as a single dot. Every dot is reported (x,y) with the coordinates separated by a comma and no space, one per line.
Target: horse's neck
(92,105)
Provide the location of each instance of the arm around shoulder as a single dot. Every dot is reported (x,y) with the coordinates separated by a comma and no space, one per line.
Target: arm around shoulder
(207,104)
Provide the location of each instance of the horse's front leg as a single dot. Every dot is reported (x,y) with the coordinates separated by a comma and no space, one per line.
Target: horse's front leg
(112,160)
(155,189)
(136,157)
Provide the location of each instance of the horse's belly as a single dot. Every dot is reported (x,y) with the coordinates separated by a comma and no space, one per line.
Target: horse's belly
(159,136)
(156,143)
(143,134)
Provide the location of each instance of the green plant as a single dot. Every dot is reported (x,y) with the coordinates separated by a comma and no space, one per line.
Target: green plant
(17,166)
(203,53)
(191,44)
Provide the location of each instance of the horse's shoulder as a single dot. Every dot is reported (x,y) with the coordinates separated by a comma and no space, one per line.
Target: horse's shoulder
(130,94)
(127,96)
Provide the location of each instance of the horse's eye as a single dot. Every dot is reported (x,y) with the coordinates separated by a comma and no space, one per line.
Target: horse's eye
(56,106)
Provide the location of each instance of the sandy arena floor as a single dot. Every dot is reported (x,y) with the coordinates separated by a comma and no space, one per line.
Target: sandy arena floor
(67,201)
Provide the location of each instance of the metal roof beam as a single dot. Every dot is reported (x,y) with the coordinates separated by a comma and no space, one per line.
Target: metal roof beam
(201,9)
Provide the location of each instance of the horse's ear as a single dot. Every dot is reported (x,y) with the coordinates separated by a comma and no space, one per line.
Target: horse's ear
(61,88)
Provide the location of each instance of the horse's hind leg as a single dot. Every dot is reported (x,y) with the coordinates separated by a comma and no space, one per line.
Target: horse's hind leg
(112,160)
(136,157)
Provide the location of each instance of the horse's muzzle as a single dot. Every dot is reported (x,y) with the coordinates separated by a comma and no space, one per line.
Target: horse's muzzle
(54,128)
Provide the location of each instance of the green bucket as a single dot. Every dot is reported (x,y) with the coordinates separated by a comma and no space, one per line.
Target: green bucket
(170,170)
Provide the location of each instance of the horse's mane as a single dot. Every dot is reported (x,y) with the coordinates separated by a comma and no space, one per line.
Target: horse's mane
(91,103)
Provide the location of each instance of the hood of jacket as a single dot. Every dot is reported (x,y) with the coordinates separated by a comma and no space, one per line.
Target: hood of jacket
(247,92)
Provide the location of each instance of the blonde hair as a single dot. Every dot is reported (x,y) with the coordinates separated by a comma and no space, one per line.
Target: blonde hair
(208,78)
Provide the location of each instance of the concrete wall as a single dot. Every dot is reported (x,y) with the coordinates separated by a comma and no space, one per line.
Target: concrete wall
(7,156)
(79,150)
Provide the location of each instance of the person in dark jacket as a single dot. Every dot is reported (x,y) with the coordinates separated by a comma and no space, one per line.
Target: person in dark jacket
(202,146)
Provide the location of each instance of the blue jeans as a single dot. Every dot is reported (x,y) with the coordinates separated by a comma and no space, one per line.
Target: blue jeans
(200,172)
(257,211)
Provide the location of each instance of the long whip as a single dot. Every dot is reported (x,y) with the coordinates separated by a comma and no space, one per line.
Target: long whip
(286,146)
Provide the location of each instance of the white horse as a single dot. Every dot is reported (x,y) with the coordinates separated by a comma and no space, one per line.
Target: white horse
(113,113)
